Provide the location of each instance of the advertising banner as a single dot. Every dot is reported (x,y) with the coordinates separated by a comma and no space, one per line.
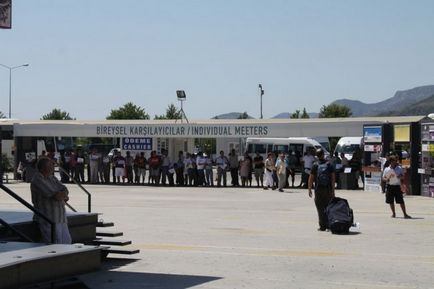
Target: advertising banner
(401,132)
(5,14)
(372,134)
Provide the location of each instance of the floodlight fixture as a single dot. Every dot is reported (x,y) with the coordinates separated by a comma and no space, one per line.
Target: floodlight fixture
(181,94)
(181,98)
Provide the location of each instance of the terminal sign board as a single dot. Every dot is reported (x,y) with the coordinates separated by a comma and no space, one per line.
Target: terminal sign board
(137,144)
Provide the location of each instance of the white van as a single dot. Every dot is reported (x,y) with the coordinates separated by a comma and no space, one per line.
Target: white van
(348,145)
(299,145)
(324,141)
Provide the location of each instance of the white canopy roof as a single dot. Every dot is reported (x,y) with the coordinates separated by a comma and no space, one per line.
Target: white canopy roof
(217,128)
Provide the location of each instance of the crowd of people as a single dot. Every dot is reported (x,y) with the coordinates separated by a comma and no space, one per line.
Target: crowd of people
(276,171)
(186,169)
(319,174)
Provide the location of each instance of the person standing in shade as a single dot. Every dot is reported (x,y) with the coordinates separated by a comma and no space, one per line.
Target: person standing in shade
(234,165)
(188,170)
(307,160)
(49,196)
(142,163)
(129,162)
(290,170)
(200,165)
(79,167)
(154,162)
(269,169)
(337,164)
(165,163)
(222,163)
(323,176)
(344,161)
(245,169)
(209,176)
(94,159)
(393,176)
(119,167)
(281,166)
(258,167)
(106,168)
(179,169)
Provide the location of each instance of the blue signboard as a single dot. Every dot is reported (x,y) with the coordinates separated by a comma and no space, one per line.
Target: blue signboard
(137,143)
(372,134)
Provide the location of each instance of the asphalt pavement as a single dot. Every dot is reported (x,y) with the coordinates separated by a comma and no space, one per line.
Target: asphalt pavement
(253,238)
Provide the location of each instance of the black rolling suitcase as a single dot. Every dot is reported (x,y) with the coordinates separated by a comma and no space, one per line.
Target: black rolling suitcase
(340,216)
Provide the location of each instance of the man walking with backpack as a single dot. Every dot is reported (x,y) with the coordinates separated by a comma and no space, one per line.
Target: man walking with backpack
(323,176)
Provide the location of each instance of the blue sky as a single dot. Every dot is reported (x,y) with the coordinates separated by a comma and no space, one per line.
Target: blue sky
(88,57)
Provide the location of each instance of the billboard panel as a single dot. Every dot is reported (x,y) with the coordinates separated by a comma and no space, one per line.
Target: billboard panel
(372,134)
(401,132)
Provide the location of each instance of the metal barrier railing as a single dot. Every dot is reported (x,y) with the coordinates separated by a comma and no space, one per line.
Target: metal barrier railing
(89,196)
(33,209)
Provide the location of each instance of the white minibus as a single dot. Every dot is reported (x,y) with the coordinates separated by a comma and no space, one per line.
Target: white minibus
(348,145)
(299,145)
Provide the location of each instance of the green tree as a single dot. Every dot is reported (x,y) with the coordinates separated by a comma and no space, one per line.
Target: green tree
(5,163)
(128,111)
(171,113)
(334,110)
(57,114)
(243,115)
(297,114)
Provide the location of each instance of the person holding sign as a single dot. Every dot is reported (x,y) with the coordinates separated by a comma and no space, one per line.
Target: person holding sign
(393,176)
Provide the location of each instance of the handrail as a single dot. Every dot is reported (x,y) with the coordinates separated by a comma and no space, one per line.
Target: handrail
(17,232)
(33,209)
(70,207)
(89,196)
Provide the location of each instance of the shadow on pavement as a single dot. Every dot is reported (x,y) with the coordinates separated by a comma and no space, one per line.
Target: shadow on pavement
(149,280)
(109,279)
(114,263)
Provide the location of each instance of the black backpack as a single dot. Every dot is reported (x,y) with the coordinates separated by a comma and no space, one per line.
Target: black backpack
(339,215)
(323,175)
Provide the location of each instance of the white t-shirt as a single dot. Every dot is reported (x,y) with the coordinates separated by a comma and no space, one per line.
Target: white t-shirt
(222,162)
(200,162)
(394,175)
(308,161)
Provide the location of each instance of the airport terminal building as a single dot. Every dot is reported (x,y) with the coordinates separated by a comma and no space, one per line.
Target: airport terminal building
(22,137)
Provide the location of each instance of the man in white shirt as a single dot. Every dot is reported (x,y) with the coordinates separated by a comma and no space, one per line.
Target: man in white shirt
(201,163)
(393,175)
(222,163)
(307,160)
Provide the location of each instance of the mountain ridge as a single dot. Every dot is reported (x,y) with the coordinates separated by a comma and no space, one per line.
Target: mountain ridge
(401,99)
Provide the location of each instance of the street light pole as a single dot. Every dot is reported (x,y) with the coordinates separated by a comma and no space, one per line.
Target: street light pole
(10,83)
(261,92)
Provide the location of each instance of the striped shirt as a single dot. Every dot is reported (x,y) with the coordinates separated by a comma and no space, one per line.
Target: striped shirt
(43,191)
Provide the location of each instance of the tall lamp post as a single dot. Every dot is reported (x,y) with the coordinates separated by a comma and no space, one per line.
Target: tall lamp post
(261,93)
(10,83)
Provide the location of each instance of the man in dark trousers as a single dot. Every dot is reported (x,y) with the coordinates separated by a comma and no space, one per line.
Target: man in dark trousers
(323,176)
